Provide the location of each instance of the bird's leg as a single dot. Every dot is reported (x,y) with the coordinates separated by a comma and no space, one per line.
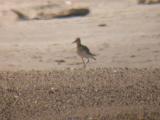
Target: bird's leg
(83,62)
(88,60)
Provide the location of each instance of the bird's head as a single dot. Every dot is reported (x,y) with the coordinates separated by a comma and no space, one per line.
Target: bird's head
(78,41)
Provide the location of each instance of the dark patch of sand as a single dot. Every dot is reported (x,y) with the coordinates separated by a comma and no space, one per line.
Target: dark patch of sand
(78,94)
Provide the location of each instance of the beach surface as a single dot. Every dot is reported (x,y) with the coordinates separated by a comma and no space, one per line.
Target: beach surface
(42,77)
(95,94)
(120,33)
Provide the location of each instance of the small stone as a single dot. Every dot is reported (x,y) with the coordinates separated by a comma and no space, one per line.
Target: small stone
(102,25)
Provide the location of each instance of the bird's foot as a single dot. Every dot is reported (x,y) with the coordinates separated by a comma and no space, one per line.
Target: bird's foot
(87,61)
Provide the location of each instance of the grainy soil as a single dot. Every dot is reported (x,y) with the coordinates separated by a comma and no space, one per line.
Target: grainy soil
(79,94)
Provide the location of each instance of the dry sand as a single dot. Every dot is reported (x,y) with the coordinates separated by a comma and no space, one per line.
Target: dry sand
(45,85)
(131,37)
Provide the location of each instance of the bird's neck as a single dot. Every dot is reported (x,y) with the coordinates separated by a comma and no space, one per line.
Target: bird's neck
(78,44)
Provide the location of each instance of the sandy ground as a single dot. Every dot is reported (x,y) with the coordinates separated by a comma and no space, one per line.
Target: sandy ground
(131,37)
(122,84)
(95,94)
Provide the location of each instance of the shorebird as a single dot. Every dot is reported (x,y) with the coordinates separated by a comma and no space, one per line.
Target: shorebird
(83,51)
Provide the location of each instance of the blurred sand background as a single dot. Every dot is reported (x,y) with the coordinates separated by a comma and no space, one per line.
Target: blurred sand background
(37,81)
(130,36)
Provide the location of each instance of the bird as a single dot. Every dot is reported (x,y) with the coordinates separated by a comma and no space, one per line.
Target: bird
(83,51)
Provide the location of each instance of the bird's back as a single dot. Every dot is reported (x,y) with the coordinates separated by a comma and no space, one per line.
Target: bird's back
(84,51)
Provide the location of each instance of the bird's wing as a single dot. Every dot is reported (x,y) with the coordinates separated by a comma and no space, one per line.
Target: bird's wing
(86,49)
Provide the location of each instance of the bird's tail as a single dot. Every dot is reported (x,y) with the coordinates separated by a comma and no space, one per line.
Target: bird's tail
(93,56)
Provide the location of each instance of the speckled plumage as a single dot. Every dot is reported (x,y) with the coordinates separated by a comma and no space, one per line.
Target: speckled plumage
(83,51)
